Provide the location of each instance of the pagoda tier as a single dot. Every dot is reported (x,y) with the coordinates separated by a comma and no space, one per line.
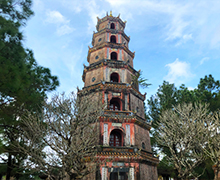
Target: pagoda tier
(124,133)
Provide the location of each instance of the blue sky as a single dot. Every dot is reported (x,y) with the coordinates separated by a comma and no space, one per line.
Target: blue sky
(177,41)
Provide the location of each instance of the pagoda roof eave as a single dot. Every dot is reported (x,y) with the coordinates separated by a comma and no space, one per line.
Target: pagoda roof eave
(110,63)
(102,85)
(126,153)
(110,18)
(111,45)
(110,30)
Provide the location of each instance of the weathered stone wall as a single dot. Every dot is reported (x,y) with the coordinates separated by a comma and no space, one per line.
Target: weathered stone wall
(97,55)
(142,136)
(99,39)
(94,76)
(124,41)
(106,24)
(137,105)
(104,73)
(148,172)
(103,25)
(127,57)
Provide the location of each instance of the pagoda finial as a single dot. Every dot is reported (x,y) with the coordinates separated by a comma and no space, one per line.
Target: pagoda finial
(97,18)
(111,13)
(125,22)
(118,15)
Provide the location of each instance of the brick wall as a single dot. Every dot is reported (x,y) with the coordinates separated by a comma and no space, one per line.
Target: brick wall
(148,172)
(142,135)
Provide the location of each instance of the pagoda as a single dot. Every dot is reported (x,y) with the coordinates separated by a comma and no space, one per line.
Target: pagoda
(124,133)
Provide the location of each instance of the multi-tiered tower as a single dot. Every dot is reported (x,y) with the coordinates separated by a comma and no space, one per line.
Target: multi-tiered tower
(124,132)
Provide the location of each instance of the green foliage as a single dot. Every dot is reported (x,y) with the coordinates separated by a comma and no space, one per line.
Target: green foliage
(167,96)
(24,84)
(166,168)
(139,80)
(16,10)
(208,91)
(205,169)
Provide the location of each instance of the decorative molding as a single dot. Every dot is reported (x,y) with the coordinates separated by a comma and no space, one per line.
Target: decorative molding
(128,137)
(104,173)
(110,45)
(108,37)
(131,173)
(120,54)
(105,135)
(117,124)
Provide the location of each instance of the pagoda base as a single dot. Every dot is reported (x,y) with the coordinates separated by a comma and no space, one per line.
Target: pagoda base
(124,171)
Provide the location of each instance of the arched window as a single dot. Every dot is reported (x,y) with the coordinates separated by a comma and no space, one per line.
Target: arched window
(115,138)
(143,145)
(115,104)
(113,39)
(114,56)
(112,26)
(114,77)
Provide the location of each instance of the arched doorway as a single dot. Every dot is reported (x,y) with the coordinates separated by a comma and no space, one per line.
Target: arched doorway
(118,176)
(115,138)
(115,104)
(113,39)
(114,56)
(114,77)
(112,26)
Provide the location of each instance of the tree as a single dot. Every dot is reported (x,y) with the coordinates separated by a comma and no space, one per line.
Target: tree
(138,79)
(212,148)
(24,84)
(68,126)
(17,11)
(208,91)
(168,95)
(183,131)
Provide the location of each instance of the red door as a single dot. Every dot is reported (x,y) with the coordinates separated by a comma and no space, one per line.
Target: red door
(115,139)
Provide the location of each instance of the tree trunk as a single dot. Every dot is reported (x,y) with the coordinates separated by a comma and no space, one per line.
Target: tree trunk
(216,169)
(216,174)
(9,167)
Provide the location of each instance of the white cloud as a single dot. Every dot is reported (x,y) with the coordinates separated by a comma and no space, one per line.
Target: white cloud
(172,15)
(178,72)
(117,2)
(91,7)
(181,20)
(191,88)
(203,60)
(64,29)
(185,38)
(55,17)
